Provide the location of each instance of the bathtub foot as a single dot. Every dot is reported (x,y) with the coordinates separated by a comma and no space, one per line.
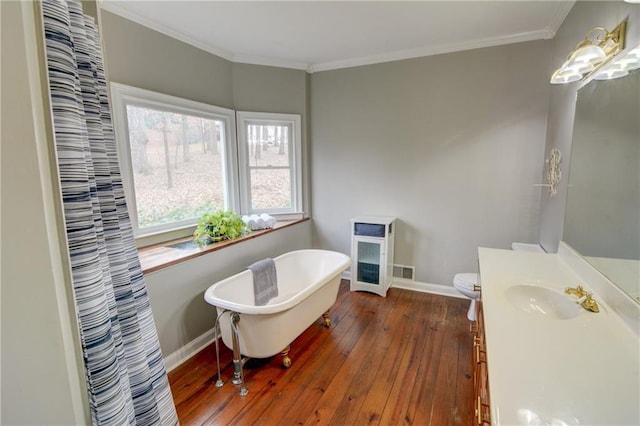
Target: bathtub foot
(286,361)
(327,320)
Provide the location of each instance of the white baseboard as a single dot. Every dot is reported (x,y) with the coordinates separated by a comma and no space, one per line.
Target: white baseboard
(187,351)
(443,290)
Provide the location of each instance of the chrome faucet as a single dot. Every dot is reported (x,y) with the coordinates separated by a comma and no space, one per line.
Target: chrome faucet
(584,298)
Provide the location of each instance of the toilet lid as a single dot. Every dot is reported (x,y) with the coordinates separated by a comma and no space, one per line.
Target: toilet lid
(466,279)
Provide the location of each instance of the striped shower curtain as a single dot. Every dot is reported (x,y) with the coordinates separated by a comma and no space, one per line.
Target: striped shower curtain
(126,378)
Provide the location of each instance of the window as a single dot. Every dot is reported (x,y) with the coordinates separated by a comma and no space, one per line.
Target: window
(269,151)
(177,158)
(181,159)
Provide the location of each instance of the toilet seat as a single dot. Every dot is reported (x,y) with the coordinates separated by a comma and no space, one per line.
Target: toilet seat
(466,280)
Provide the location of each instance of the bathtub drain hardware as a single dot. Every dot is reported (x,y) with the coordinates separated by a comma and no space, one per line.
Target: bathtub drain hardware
(219,382)
(238,375)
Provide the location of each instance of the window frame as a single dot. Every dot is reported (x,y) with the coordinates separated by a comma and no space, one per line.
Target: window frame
(243,118)
(123,95)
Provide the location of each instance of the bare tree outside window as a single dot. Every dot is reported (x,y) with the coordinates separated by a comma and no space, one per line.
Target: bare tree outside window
(269,167)
(177,169)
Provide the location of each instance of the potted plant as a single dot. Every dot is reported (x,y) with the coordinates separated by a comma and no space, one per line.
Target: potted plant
(219,226)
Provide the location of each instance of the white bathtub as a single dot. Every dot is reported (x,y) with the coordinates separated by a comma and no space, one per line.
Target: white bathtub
(308,282)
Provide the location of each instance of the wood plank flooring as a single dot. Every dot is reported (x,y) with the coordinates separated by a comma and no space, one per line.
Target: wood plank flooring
(403,359)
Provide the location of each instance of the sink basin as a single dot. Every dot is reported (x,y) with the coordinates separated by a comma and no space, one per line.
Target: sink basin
(543,301)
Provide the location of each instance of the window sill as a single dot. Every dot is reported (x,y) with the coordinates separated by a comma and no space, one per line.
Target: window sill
(159,256)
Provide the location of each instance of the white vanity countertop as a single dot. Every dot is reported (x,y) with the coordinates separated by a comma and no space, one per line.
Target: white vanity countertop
(584,370)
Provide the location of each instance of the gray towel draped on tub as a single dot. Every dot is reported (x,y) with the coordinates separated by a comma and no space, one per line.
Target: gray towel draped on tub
(265,281)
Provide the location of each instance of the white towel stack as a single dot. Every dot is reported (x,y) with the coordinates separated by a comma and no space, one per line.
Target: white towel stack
(256,222)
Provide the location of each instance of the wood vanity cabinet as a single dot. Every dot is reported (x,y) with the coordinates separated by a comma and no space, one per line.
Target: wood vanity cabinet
(481,375)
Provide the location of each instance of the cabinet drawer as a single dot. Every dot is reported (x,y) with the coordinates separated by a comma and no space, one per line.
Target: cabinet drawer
(369,229)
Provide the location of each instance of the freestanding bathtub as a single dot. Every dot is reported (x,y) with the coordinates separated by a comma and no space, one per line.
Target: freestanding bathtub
(308,282)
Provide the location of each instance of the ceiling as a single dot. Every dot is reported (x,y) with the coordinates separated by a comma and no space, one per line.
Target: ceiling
(324,35)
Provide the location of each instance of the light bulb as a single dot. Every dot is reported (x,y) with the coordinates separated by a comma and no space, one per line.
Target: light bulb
(564,76)
(590,53)
(611,74)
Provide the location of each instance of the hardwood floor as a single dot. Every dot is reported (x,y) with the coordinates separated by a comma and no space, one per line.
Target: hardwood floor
(403,359)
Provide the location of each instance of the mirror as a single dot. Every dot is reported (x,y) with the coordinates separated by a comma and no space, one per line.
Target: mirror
(602,219)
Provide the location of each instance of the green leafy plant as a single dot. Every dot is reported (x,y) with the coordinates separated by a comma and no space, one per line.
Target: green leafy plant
(219,226)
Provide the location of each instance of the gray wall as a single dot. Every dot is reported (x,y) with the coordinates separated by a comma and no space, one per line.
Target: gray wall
(450,144)
(583,16)
(268,89)
(160,63)
(140,57)
(42,370)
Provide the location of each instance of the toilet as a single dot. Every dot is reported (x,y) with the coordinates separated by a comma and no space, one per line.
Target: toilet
(467,283)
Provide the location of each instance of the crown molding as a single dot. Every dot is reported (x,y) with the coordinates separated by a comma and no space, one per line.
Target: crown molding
(115,8)
(432,50)
(270,62)
(547,33)
(562,10)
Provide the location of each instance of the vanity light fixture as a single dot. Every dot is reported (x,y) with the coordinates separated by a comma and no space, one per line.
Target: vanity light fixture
(597,49)
(621,66)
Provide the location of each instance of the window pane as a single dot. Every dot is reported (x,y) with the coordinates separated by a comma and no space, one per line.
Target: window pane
(177,165)
(269,152)
(268,145)
(270,189)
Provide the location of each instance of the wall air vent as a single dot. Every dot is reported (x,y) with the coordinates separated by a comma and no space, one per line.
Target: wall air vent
(404,272)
